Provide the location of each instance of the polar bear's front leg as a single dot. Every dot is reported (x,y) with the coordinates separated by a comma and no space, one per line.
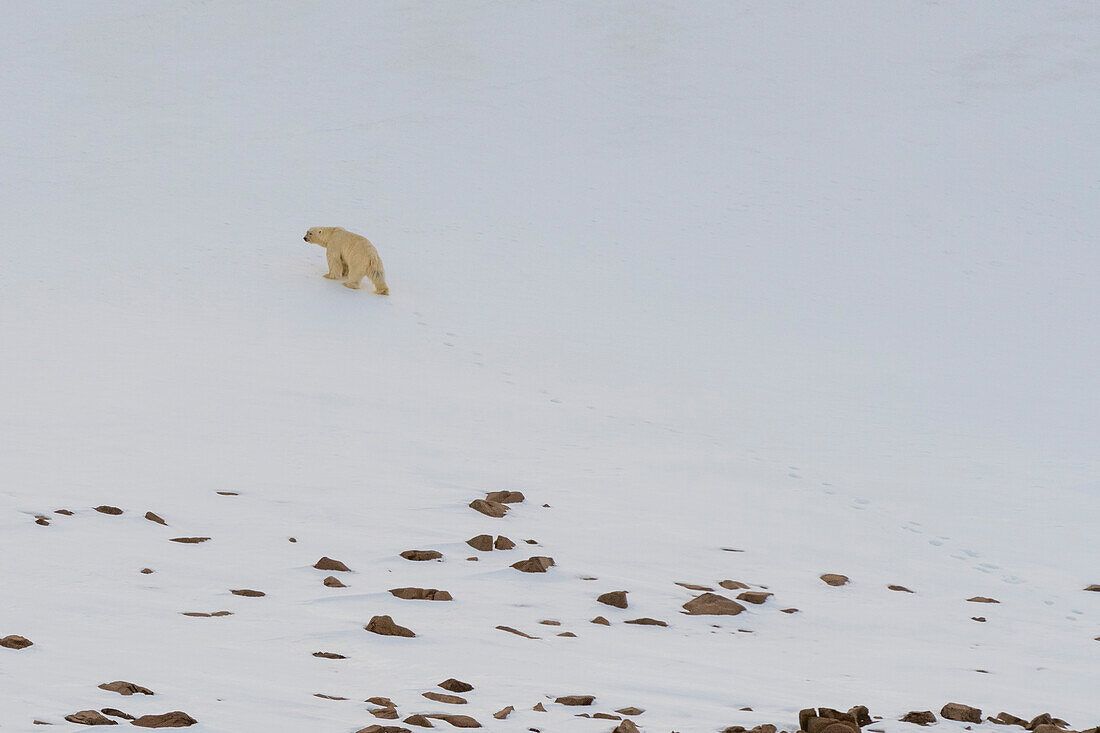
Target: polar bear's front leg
(336,267)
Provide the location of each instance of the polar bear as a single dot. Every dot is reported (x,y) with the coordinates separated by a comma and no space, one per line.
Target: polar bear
(350,255)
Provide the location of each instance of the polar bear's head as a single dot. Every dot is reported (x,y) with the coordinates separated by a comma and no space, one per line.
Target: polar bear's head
(318,235)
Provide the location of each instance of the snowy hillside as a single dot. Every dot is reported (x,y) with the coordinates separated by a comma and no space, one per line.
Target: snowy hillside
(748,292)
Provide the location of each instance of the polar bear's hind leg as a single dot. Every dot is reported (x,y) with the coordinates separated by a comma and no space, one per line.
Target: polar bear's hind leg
(379,279)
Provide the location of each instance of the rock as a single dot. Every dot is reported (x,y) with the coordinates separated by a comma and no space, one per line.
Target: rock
(627,726)
(458,721)
(421,555)
(1048,728)
(493,509)
(329,655)
(630,711)
(65,512)
(440,697)
(327,563)
(291,539)
(616,598)
(601,621)
(712,604)
(125,688)
(964,713)
(982,599)
(453,685)
(505,497)
(765,728)
(901,588)
(421,594)
(548,622)
(539,708)
(190,540)
(645,621)
(15,641)
(114,511)
(503,543)
(116,713)
(1093,587)
(517,632)
(90,717)
(328,697)
(381,701)
(1004,718)
(384,713)
(419,720)
(385,626)
(754,596)
(481,543)
(504,713)
(146,571)
(248,593)
(568,634)
(733,585)
(804,716)
(228,493)
(155,518)
(203,614)
(980,619)
(535,564)
(835,579)
(919,717)
(333,582)
(576,700)
(1040,719)
(602,716)
(788,610)
(692,586)
(383,729)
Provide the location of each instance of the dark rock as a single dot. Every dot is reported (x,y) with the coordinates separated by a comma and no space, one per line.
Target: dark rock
(383,729)
(381,701)
(982,599)
(645,621)
(90,717)
(385,713)
(616,598)
(333,582)
(630,711)
(440,697)
(327,563)
(712,604)
(788,610)
(692,586)
(754,596)
(503,543)
(576,700)
(421,555)
(964,713)
(517,632)
(535,564)
(919,717)
(15,641)
(146,571)
(419,720)
(835,579)
(385,626)
(493,509)
(505,497)
(458,721)
(112,510)
(601,621)
(901,588)
(627,726)
(248,593)
(1004,718)
(481,543)
(504,713)
(125,688)
(155,518)
(421,594)
(733,585)
(116,713)
(329,655)
(190,540)
(453,685)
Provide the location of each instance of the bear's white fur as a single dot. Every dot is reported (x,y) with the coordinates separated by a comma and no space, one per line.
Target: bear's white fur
(350,255)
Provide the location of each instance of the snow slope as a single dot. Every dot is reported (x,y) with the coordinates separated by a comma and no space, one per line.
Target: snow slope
(811,281)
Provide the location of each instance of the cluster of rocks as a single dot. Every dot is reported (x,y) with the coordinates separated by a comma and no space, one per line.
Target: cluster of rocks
(386,709)
(104,716)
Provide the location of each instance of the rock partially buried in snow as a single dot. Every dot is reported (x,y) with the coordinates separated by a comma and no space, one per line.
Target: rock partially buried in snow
(919,717)
(125,688)
(616,598)
(15,641)
(754,596)
(692,586)
(329,655)
(174,719)
(440,697)
(155,518)
(90,717)
(576,700)
(421,594)
(204,614)
(982,599)
(835,579)
(901,588)
(504,713)
(190,540)
(327,563)
(383,729)
(505,497)
(627,726)
(481,543)
(116,713)
(712,604)
(385,626)
(385,713)
(494,509)
(630,711)
(453,685)
(733,585)
(421,555)
(503,543)
(517,632)
(535,564)
(248,593)
(1094,587)
(333,582)
(646,621)
(458,721)
(112,510)
(420,720)
(601,621)
(960,712)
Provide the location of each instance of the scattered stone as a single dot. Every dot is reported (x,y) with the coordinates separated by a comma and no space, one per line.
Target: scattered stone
(754,596)
(692,586)
(531,542)
(503,543)
(90,717)
(1004,718)
(1093,587)
(601,621)
(861,714)
(765,728)
(481,543)
(125,688)
(421,594)
(616,598)
(146,571)
(458,721)
(67,513)
(505,497)
(788,610)
(190,540)
(630,711)
(504,713)
(901,588)
(472,559)
(517,632)
(712,604)
(733,585)
(979,619)
(42,521)
(494,509)
(383,729)
(730,549)
(384,713)
(229,493)
(568,634)
(453,685)
(203,614)
(116,713)
(548,622)
(645,621)
(248,593)
(627,726)
(539,708)
(421,555)
(1040,719)
(919,717)
(419,720)
(385,626)
(15,641)
(440,697)
(982,599)
(328,697)
(333,582)
(112,510)
(834,579)
(291,539)
(535,564)
(329,655)
(964,713)
(155,518)
(174,719)
(382,701)
(327,563)
(576,700)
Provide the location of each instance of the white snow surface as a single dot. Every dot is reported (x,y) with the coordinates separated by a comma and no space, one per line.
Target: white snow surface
(813,281)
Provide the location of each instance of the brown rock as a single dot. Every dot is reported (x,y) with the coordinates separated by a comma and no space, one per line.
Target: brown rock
(15,641)
(90,717)
(861,715)
(919,717)
(419,720)
(291,539)
(458,721)
(383,729)
(645,621)
(174,719)
(754,596)
(627,726)
(1093,587)
(248,593)
(568,634)
(822,724)
(503,543)
(203,614)
(440,697)
(125,688)
(328,697)
(504,713)
(329,655)
(493,509)
(517,632)
(539,708)
(535,564)
(601,621)
(834,579)
(576,700)
(116,713)
(958,711)
(505,497)
(112,510)
(453,685)
(733,585)
(384,713)
(1040,719)
(327,563)
(190,540)
(804,716)
(531,542)
(788,610)
(712,604)
(146,571)
(381,701)
(1004,718)
(902,588)
(765,728)
(630,711)
(1048,728)
(42,521)
(616,598)
(548,622)
(603,716)
(421,594)
(979,619)
(155,518)
(982,599)
(481,543)
(385,626)
(692,586)
(333,582)
(229,493)
(66,512)
(421,555)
